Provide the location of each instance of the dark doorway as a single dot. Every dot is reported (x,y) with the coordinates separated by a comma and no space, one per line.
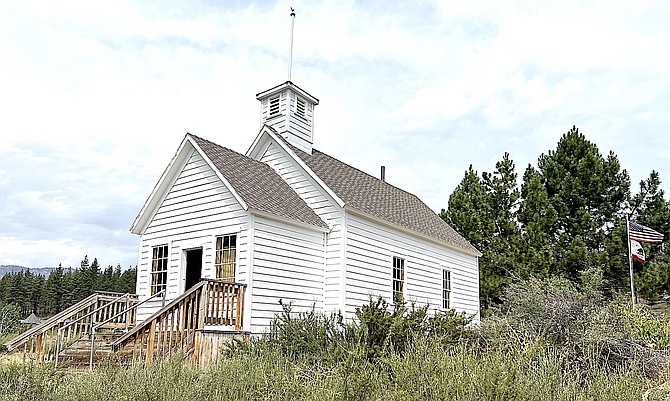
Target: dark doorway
(193,267)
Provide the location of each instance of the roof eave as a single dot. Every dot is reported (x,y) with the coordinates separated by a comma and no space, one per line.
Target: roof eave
(284,86)
(305,167)
(218,173)
(255,150)
(148,208)
(167,180)
(282,219)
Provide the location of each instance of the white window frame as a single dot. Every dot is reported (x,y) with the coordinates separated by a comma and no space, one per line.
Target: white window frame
(236,248)
(446,289)
(154,271)
(398,265)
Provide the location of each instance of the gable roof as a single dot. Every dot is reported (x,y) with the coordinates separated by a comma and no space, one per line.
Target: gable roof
(259,186)
(377,198)
(32,319)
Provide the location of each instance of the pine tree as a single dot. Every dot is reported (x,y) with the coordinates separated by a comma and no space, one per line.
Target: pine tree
(588,193)
(483,211)
(538,219)
(128,280)
(53,291)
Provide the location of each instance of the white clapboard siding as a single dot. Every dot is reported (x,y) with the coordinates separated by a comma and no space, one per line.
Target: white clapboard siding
(332,294)
(289,170)
(197,208)
(317,199)
(288,122)
(288,266)
(300,126)
(370,249)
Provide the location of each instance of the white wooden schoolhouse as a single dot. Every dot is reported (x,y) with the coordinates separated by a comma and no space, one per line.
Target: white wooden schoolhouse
(288,222)
(224,237)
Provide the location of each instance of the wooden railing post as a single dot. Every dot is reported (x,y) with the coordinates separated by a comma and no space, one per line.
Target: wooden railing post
(150,342)
(240,305)
(39,346)
(180,324)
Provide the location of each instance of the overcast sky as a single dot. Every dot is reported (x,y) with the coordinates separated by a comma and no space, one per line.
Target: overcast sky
(95,97)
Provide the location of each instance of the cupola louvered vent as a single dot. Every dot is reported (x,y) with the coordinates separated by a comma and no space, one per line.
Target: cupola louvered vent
(274,106)
(300,108)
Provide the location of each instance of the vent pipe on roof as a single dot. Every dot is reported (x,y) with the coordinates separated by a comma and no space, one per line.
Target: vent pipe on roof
(383,174)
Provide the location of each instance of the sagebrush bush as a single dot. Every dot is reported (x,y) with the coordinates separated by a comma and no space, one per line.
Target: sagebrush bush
(554,340)
(426,370)
(576,318)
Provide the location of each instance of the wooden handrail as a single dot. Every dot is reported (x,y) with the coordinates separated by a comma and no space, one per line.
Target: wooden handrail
(178,324)
(98,309)
(161,292)
(119,342)
(51,322)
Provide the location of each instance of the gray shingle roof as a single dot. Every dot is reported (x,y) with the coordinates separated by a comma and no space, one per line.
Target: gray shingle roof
(380,199)
(258,184)
(32,319)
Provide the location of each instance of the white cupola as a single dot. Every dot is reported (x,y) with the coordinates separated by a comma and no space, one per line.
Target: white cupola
(290,111)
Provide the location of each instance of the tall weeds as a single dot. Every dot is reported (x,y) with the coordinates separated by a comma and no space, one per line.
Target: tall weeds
(553,342)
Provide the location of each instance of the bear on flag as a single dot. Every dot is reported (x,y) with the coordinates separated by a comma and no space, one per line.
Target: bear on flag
(636,251)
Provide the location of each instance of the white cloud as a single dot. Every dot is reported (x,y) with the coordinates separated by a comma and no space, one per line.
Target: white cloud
(95,99)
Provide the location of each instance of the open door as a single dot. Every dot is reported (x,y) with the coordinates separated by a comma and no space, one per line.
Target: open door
(193,267)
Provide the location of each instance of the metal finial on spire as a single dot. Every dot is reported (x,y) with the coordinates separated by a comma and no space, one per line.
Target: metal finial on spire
(290,50)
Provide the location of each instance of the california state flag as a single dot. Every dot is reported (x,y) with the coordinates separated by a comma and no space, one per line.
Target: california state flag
(636,251)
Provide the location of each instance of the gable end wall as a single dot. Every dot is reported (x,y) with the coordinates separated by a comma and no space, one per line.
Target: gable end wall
(197,208)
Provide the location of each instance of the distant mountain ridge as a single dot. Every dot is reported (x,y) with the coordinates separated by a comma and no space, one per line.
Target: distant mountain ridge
(44,271)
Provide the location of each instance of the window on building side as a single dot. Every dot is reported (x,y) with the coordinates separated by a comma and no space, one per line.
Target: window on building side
(225,257)
(274,105)
(446,289)
(159,266)
(398,278)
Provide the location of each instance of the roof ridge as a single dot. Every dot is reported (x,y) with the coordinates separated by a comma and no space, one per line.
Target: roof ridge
(293,148)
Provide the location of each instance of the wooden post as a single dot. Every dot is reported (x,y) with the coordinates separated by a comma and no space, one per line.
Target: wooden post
(150,342)
(240,305)
(204,295)
(39,346)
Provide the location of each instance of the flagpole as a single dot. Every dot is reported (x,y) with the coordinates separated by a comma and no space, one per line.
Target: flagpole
(630,263)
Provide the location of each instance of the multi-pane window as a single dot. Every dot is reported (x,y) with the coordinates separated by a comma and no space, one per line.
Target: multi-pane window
(446,289)
(398,278)
(159,265)
(225,257)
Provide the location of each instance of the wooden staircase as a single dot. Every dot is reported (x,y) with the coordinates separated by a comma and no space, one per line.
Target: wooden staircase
(78,354)
(103,327)
(108,311)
